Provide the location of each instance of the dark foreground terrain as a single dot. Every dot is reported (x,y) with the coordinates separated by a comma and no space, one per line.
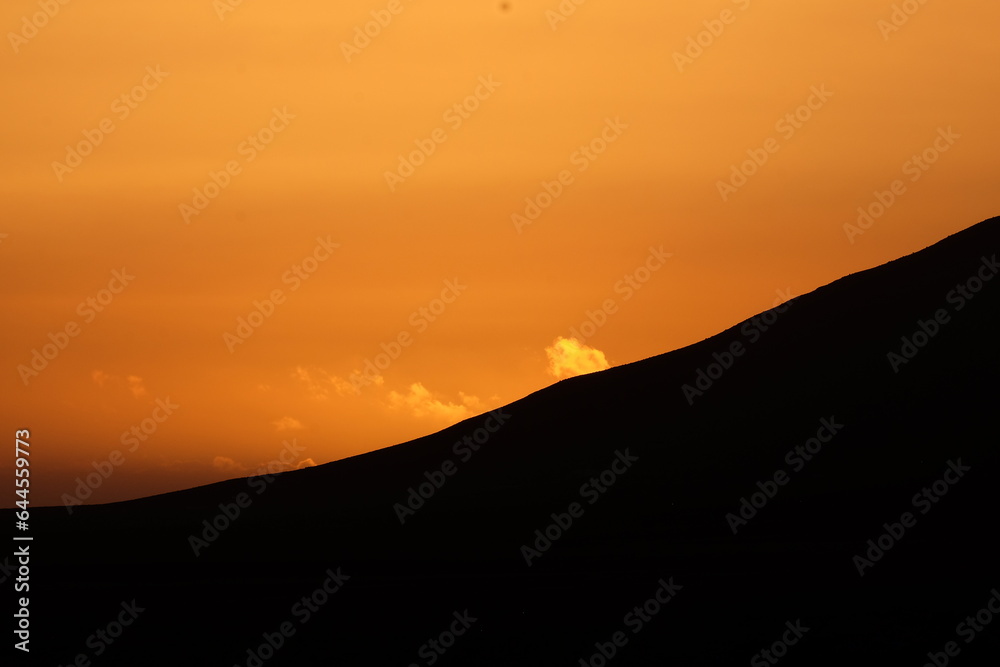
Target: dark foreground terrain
(652,556)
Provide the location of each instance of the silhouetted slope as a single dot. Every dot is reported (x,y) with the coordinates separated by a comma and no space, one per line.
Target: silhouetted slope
(824,358)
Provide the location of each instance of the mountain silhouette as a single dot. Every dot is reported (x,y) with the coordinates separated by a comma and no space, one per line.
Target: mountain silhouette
(815,485)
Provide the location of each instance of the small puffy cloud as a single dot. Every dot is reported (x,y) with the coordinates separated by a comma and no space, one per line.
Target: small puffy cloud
(131,382)
(319,383)
(281,463)
(313,382)
(135,386)
(346,388)
(227,465)
(421,403)
(569,357)
(287,424)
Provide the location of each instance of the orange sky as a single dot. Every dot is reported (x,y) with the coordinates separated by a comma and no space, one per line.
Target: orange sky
(666,120)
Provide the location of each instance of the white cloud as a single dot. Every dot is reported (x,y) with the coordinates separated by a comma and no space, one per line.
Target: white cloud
(135,386)
(132,382)
(346,388)
(313,384)
(421,403)
(287,424)
(569,357)
(319,383)
(227,465)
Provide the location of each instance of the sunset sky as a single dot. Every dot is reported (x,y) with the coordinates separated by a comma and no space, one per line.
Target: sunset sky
(181,164)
